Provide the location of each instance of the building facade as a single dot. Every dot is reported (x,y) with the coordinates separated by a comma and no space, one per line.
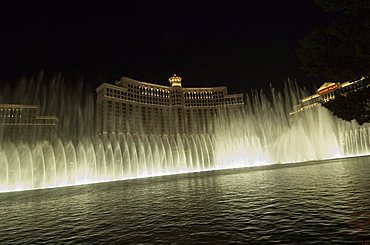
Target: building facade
(134,107)
(327,92)
(25,122)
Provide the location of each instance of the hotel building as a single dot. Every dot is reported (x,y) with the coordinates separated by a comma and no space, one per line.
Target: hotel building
(133,107)
(24,122)
(327,92)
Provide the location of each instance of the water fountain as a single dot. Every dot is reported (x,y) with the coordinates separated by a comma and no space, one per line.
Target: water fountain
(262,134)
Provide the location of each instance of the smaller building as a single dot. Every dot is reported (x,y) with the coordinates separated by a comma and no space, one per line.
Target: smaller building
(25,122)
(327,92)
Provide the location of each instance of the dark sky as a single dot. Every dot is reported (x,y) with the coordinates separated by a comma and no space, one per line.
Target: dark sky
(241,44)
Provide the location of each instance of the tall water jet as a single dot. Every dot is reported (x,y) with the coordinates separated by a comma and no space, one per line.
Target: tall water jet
(262,133)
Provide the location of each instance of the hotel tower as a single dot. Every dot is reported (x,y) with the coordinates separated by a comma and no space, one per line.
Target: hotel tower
(133,107)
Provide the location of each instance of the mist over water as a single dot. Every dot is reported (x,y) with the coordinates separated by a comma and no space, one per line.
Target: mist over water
(71,101)
(262,134)
(265,134)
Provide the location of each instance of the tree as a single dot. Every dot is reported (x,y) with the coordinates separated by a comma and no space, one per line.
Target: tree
(342,50)
(352,106)
(349,7)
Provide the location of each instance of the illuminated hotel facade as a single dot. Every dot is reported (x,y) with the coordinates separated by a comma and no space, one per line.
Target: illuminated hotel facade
(25,122)
(134,107)
(328,91)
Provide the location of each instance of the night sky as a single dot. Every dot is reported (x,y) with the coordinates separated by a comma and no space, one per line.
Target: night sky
(244,46)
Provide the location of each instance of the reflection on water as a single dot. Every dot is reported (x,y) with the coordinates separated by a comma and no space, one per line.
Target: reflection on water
(325,202)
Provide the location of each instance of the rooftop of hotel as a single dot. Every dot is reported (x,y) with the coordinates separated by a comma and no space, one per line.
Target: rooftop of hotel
(175,81)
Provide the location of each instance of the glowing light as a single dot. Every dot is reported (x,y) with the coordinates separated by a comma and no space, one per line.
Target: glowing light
(258,136)
(327,89)
(175,80)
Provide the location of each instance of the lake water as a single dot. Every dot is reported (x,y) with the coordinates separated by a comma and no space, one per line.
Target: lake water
(324,202)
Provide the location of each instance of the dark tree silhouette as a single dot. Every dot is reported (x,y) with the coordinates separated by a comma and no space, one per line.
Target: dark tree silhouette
(352,106)
(342,50)
(349,7)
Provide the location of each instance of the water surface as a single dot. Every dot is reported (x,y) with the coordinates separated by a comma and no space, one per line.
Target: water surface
(327,202)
